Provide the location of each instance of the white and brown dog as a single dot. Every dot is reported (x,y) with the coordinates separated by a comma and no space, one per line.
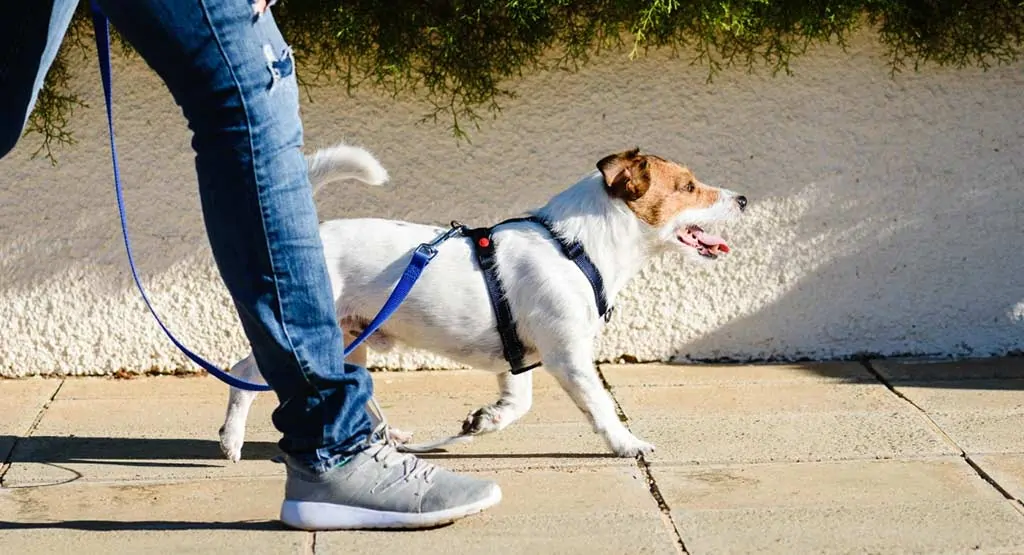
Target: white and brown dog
(635,206)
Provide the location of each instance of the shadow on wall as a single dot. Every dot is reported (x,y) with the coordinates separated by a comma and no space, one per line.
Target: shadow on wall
(885,214)
(928,263)
(62,220)
(67,301)
(886,218)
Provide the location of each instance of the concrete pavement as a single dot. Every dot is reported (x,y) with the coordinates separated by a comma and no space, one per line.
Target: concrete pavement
(880,457)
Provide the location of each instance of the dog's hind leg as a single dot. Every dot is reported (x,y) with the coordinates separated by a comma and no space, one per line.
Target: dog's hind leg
(515,401)
(574,369)
(232,433)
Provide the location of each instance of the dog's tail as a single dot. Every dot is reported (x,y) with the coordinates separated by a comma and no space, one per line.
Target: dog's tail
(342,161)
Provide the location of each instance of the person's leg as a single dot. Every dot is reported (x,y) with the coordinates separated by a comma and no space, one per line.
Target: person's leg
(232,73)
(30,37)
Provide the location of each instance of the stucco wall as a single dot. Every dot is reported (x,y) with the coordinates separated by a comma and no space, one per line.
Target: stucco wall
(886,214)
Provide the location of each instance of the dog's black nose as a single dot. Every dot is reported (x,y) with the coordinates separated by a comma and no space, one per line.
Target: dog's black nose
(742,201)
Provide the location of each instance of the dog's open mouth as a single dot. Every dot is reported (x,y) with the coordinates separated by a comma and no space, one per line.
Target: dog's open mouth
(707,245)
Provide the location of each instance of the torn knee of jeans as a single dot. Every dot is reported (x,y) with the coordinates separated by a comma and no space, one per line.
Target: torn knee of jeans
(280,66)
(260,6)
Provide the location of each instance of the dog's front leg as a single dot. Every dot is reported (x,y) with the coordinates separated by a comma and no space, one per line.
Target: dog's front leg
(514,402)
(576,373)
(232,433)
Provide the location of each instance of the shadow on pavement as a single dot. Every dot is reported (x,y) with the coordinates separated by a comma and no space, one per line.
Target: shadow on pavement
(126,451)
(142,525)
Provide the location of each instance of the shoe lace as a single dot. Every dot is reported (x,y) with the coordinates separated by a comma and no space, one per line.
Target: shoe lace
(384,449)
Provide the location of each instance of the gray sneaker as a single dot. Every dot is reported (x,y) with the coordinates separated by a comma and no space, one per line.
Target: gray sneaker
(380,487)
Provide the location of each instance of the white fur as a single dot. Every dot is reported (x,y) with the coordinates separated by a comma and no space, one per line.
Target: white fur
(341,162)
(448,311)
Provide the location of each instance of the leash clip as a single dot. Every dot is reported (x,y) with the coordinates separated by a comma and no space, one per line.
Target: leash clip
(430,249)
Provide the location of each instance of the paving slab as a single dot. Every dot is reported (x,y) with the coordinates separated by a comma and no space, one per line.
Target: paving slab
(778,420)
(141,470)
(20,403)
(1004,396)
(925,506)
(165,428)
(979,403)
(597,510)
(431,382)
(222,516)
(552,446)
(1006,470)
(739,399)
(141,438)
(432,405)
(192,386)
(386,383)
(784,413)
(981,416)
(407,408)
(646,375)
(790,437)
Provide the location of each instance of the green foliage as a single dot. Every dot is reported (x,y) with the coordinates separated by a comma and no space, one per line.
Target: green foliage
(461,55)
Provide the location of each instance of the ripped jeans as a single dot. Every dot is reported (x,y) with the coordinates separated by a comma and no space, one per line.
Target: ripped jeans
(228,67)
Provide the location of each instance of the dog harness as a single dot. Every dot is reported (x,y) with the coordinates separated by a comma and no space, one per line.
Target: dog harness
(483,246)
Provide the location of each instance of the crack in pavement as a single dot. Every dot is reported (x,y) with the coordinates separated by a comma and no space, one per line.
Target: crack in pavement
(988,478)
(645,468)
(5,466)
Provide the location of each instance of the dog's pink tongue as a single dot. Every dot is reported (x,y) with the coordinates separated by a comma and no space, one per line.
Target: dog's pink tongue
(709,240)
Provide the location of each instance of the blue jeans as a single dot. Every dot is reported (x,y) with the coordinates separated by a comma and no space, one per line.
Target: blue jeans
(232,73)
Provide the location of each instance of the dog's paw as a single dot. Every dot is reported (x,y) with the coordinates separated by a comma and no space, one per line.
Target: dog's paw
(231,441)
(485,420)
(632,447)
(398,436)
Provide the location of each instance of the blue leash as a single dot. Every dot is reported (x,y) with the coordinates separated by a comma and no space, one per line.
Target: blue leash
(420,257)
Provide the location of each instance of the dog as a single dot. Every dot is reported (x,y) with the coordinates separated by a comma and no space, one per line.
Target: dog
(631,208)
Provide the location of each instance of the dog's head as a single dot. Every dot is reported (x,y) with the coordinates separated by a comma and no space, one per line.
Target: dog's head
(667,197)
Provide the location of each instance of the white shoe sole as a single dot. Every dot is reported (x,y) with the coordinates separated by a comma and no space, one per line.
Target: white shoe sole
(310,515)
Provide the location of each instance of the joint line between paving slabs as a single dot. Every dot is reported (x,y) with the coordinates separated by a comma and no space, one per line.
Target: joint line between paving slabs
(6,465)
(645,468)
(963,453)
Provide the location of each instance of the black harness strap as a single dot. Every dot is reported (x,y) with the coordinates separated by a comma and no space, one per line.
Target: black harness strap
(512,346)
(483,246)
(574,251)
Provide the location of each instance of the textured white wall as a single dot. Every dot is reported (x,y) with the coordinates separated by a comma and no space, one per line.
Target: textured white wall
(886,214)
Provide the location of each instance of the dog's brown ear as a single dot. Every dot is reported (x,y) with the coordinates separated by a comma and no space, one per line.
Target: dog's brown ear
(625,174)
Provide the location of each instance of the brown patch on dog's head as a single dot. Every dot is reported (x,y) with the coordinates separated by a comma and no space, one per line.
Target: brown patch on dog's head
(655,189)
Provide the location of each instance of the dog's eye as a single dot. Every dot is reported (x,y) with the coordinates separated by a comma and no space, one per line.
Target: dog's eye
(690,187)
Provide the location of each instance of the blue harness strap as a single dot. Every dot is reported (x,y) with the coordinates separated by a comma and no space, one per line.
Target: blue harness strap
(420,257)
